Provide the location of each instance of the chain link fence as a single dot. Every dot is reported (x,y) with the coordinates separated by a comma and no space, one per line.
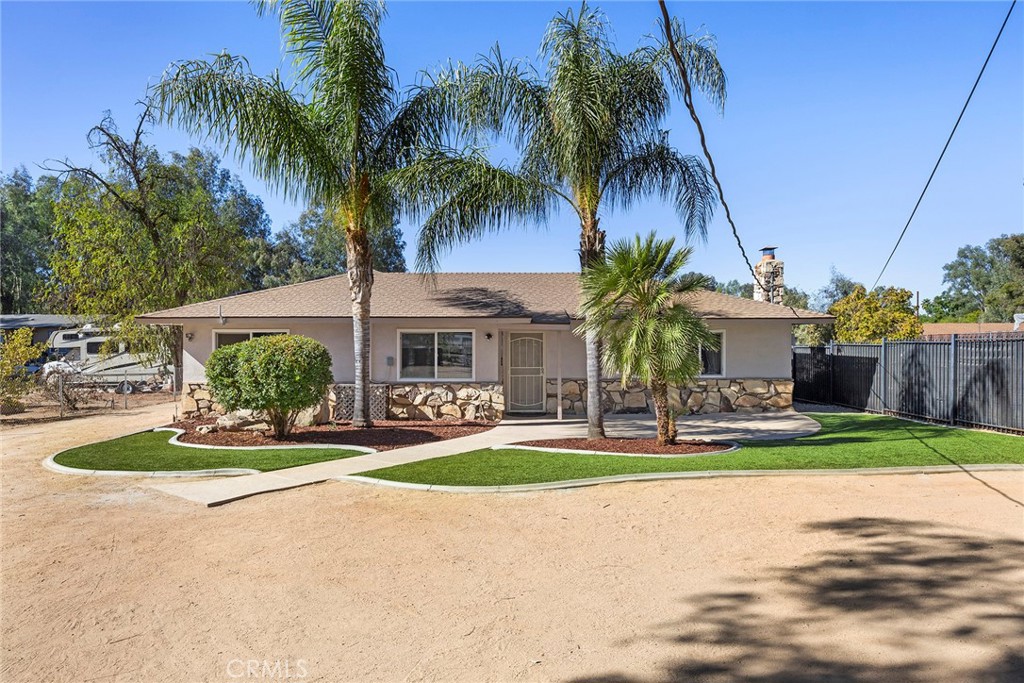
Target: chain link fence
(67,395)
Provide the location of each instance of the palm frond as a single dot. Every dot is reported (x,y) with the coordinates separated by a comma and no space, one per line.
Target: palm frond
(639,100)
(700,56)
(355,89)
(578,50)
(258,118)
(463,196)
(306,27)
(632,300)
(655,168)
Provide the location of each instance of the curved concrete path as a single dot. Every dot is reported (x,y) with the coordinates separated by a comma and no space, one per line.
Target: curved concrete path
(717,426)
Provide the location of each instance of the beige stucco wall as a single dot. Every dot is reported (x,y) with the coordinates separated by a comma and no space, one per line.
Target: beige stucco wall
(336,335)
(756,348)
(753,348)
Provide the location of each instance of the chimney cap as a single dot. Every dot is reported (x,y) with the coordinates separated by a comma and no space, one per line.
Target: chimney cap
(763,249)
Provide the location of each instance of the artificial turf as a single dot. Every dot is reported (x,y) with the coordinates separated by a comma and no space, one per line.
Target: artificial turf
(150,452)
(845,441)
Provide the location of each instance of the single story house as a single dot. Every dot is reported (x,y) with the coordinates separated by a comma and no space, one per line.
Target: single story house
(485,344)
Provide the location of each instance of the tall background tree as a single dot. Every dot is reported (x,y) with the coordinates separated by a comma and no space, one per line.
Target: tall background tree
(145,232)
(26,228)
(314,247)
(634,300)
(588,132)
(983,283)
(332,139)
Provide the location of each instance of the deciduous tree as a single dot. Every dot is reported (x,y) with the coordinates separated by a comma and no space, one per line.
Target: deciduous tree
(870,317)
(26,227)
(314,247)
(16,349)
(983,283)
(145,233)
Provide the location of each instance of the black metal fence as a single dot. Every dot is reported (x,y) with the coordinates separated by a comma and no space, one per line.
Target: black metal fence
(969,382)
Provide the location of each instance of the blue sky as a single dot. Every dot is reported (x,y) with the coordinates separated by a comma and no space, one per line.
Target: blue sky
(835,115)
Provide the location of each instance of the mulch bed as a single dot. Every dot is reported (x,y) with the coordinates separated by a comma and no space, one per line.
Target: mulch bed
(384,436)
(629,446)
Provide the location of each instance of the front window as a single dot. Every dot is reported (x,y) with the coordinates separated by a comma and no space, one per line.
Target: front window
(227,338)
(436,355)
(711,359)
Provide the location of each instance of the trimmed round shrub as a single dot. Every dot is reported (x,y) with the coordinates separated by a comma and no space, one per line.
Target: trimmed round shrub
(221,374)
(281,375)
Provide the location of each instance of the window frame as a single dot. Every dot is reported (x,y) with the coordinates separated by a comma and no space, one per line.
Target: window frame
(434,331)
(721,350)
(249,331)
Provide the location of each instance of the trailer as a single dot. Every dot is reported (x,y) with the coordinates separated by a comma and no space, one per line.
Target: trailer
(88,353)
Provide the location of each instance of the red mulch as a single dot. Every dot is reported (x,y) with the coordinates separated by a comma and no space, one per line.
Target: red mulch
(384,436)
(629,446)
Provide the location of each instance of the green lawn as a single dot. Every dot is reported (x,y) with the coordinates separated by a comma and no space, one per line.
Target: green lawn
(845,441)
(150,452)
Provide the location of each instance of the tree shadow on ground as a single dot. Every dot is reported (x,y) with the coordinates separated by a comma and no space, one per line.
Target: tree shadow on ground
(916,592)
(966,471)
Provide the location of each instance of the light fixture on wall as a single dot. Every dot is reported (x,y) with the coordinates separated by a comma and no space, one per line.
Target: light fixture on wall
(488,336)
(189,336)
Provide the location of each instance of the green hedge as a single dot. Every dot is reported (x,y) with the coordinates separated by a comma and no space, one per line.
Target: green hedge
(280,375)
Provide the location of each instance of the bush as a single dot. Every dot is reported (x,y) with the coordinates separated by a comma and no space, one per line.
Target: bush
(16,349)
(280,375)
(222,372)
(67,387)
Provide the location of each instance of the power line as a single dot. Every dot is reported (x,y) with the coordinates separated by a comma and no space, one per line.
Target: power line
(946,146)
(688,100)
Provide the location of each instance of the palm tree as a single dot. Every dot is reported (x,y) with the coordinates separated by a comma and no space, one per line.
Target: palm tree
(635,301)
(330,139)
(589,137)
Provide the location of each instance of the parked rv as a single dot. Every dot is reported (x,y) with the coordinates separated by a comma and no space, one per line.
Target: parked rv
(83,351)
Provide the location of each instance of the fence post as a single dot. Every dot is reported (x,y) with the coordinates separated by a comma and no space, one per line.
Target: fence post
(831,371)
(952,379)
(883,361)
(60,392)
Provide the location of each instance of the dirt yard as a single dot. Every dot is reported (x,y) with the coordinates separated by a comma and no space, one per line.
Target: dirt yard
(42,408)
(881,578)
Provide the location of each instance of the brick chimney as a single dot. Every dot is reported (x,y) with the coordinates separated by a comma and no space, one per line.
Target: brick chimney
(769,284)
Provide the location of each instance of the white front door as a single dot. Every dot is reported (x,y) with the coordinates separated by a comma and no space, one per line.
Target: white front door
(525,373)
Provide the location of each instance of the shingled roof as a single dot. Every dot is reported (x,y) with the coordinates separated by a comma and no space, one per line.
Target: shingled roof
(539,297)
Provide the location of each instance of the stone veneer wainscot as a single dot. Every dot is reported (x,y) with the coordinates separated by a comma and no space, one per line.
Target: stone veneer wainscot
(472,401)
(197,401)
(432,401)
(704,396)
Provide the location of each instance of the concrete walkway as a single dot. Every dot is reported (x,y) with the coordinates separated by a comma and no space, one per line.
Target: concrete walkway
(212,492)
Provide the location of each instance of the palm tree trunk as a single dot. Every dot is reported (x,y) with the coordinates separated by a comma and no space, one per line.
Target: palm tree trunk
(592,250)
(659,391)
(360,280)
